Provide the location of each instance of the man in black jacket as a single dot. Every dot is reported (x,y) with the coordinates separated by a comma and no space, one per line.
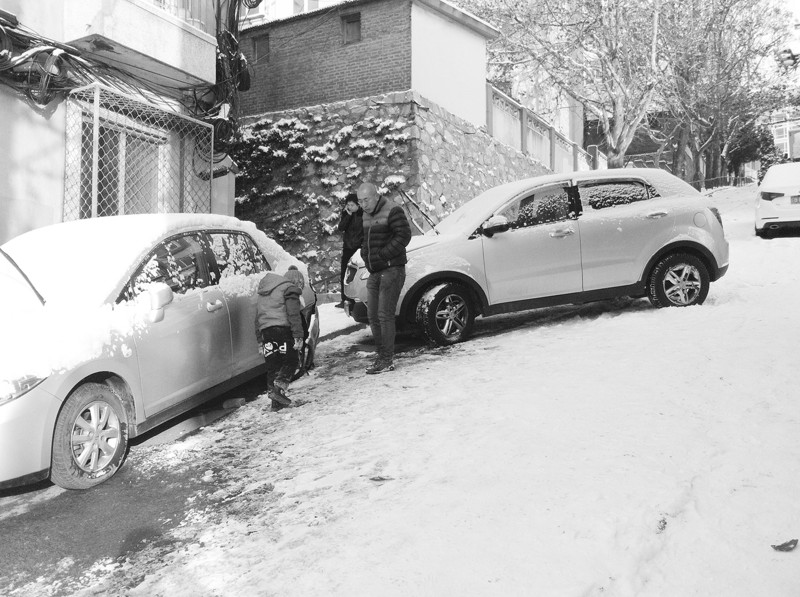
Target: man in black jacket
(386,234)
(352,233)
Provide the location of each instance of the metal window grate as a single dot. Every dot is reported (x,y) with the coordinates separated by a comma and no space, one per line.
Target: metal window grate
(125,156)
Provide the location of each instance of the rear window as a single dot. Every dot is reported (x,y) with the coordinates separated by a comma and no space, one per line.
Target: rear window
(782,175)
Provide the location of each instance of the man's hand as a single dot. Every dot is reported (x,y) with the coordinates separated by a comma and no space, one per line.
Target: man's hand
(298,343)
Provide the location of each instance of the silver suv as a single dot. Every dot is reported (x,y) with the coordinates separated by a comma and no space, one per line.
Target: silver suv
(558,239)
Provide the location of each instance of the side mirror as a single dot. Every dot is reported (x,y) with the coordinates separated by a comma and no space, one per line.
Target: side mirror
(160,296)
(494,225)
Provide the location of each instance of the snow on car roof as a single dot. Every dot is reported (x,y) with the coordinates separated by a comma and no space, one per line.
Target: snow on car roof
(91,258)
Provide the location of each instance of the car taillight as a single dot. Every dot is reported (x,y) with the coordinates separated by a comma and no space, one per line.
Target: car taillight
(770,196)
(715,211)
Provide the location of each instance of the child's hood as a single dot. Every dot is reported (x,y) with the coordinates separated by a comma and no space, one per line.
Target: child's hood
(270,282)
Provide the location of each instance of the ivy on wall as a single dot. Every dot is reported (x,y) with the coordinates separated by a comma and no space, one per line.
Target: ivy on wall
(296,170)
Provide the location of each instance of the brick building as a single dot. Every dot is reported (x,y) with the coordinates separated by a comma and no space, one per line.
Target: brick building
(362,48)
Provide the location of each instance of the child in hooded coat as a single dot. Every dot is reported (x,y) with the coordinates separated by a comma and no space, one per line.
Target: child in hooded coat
(279,330)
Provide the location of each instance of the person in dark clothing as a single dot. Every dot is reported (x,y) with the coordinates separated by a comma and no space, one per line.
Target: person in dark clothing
(352,233)
(386,234)
(279,331)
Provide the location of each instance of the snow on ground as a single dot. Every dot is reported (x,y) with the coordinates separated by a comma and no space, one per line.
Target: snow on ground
(609,449)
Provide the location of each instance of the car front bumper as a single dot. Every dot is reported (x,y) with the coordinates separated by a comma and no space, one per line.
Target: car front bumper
(26,433)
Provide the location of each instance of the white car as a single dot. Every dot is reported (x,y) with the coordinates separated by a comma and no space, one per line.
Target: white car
(778,200)
(558,239)
(112,326)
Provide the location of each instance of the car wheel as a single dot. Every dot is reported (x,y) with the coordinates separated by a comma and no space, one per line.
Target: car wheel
(90,439)
(679,280)
(446,314)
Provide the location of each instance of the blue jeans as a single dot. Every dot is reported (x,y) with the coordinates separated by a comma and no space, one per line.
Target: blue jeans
(383,290)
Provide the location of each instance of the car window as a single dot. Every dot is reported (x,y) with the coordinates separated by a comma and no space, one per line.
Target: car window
(543,206)
(601,195)
(236,254)
(179,262)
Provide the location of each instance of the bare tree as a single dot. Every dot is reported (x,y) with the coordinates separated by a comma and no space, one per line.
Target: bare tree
(605,53)
(722,76)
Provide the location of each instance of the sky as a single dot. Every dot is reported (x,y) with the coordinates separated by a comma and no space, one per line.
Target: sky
(610,450)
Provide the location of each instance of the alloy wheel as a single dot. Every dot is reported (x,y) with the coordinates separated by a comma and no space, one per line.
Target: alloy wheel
(95,436)
(682,284)
(452,316)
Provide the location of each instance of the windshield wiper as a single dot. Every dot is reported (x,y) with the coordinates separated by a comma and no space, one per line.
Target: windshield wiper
(420,210)
(21,273)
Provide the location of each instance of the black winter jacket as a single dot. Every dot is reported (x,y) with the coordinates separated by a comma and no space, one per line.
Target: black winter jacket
(386,234)
(352,229)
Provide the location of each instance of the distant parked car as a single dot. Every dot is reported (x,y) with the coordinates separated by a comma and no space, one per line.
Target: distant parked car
(112,326)
(778,200)
(558,239)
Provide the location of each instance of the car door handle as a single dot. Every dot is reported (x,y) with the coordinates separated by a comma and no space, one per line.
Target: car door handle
(561,233)
(215,306)
(654,215)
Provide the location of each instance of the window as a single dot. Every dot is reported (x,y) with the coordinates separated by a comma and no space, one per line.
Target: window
(236,254)
(601,195)
(179,262)
(124,156)
(261,49)
(351,26)
(543,207)
(128,165)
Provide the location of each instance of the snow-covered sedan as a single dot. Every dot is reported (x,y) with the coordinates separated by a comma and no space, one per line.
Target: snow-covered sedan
(778,200)
(558,239)
(112,326)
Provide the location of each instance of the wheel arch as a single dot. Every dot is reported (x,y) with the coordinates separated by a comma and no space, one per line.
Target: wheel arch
(692,248)
(408,306)
(117,385)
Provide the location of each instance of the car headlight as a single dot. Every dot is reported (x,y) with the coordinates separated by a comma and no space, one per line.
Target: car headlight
(11,389)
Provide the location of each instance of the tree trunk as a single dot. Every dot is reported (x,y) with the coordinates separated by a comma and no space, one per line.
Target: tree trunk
(616,159)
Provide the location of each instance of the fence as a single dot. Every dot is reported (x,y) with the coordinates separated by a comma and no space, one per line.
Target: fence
(125,156)
(516,126)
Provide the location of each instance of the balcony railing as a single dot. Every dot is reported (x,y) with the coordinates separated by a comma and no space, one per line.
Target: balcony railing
(200,14)
(515,125)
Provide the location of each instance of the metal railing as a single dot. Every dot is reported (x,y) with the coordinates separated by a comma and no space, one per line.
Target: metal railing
(125,156)
(513,124)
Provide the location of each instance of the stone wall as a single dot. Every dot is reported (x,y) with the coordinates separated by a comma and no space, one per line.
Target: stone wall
(298,166)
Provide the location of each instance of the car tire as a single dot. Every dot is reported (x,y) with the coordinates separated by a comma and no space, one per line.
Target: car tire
(90,440)
(679,280)
(445,313)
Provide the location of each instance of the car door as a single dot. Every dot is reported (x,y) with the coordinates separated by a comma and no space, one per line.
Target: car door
(189,349)
(539,255)
(621,227)
(239,265)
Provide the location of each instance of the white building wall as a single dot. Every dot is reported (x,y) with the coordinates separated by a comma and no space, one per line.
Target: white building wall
(31,145)
(448,64)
